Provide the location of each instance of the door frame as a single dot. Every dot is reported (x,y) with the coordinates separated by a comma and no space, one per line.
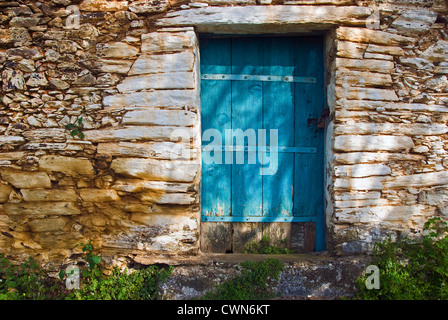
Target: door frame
(328,45)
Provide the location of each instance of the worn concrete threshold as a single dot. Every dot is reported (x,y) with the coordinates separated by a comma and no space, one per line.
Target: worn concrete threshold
(305,276)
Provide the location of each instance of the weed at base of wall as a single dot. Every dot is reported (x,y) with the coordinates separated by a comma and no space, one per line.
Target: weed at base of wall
(251,284)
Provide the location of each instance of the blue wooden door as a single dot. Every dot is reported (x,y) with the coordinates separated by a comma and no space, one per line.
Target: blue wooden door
(255,87)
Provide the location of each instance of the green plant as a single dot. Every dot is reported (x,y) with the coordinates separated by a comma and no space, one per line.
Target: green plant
(122,285)
(92,259)
(27,281)
(264,246)
(411,270)
(76,128)
(119,285)
(251,284)
(30,281)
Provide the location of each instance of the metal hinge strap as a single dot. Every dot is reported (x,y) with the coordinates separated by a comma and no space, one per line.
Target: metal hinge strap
(256,219)
(254,77)
(211,147)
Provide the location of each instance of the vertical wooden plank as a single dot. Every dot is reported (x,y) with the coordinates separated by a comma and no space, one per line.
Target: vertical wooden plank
(310,101)
(278,233)
(303,237)
(297,237)
(278,108)
(216,110)
(245,233)
(216,237)
(309,236)
(215,114)
(247,55)
(278,111)
(247,58)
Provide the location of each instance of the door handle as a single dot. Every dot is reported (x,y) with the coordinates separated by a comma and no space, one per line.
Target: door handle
(320,122)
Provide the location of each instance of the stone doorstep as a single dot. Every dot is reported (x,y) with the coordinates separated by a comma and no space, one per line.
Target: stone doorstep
(306,276)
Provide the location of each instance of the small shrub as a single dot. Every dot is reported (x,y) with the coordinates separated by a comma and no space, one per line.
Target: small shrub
(411,270)
(30,281)
(27,282)
(119,285)
(251,284)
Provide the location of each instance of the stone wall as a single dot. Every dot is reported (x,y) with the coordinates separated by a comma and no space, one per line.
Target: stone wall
(129,179)
(125,185)
(389,156)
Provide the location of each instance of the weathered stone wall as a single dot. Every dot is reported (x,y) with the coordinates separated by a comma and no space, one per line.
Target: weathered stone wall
(125,185)
(389,161)
(130,70)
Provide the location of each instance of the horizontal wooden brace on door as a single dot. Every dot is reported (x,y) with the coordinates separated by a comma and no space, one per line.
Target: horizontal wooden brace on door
(259,149)
(254,77)
(256,219)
